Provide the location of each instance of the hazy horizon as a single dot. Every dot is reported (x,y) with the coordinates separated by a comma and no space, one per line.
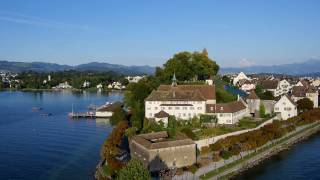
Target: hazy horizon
(235,33)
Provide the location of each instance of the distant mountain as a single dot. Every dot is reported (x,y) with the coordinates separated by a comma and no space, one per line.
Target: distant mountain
(94,66)
(308,67)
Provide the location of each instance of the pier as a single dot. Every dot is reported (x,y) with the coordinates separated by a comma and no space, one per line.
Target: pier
(74,115)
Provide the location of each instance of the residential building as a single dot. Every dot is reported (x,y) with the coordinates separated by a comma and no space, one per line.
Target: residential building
(285,107)
(240,76)
(64,85)
(157,152)
(247,85)
(134,79)
(107,110)
(228,113)
(253,102)
(182,101)
(310,92)
(277,87)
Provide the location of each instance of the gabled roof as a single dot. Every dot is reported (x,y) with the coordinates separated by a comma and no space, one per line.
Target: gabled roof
(286,96)
(175,95)
(252,95)
(161,114)
(269,84)
(207,91)
(109,107)
(230,107)
(300,91)
(183,93)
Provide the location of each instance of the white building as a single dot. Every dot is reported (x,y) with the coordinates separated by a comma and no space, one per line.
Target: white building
(99,86)
(86,84)
(241,76)
(183,101)
(116,85)
(107,110)
(316,82)
(310,92)
(277,87)
(228,113)
(248,86)
(64,85)
(134,79)
(285,108)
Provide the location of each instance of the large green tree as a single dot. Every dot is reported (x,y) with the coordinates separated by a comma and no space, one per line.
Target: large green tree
(304,104)
(118,115)
(188,66)
(134,170)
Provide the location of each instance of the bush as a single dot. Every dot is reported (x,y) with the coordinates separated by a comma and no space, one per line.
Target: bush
(188,132)
(134,170)
(225,154)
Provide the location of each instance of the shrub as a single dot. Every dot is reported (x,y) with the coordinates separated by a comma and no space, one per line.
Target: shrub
(188,132)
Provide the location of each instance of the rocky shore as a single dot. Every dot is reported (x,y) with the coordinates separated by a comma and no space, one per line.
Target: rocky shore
(285,144)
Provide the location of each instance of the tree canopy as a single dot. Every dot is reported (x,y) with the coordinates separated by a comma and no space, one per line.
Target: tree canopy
(111,147)
(134,170)
(188,66)
(304,104)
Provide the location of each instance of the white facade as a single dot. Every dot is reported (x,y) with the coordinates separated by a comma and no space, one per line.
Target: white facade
(283,88)
(209,82)
(241,76)
(316,83)
(248,87)
(285,108)
(314,97)
(231,118)
(134,79)
(180,109)
(102,114)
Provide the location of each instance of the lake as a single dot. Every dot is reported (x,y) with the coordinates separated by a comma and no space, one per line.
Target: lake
(54,147)
(302,161)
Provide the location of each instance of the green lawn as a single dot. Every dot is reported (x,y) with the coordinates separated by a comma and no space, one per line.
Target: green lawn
(245,123)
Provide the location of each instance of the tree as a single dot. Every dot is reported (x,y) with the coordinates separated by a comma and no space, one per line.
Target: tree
(226,79)
(304,104)
(134,170)
(118,115)
(111,147)
(188,66)
(262,111)
(137,116)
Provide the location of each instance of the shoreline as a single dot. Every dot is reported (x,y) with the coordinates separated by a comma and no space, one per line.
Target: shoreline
(282,145)
(58,90)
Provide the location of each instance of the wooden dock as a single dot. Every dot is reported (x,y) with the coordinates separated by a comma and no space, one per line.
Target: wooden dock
(75,115)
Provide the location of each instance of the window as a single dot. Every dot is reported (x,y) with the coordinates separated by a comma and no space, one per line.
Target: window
(184,108)
(170,108)
(177,108)
(155,108)
(191,108)
(150,114)
(199,108)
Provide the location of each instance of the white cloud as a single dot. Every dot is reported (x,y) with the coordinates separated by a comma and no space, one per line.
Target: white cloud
(246,63)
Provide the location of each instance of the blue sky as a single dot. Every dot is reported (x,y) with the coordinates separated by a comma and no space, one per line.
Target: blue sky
(147,32)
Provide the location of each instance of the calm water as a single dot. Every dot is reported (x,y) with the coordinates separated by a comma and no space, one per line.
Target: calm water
(55,147)
(302,161)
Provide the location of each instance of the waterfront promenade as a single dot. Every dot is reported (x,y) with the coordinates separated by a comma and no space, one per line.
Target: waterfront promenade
(248,159)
